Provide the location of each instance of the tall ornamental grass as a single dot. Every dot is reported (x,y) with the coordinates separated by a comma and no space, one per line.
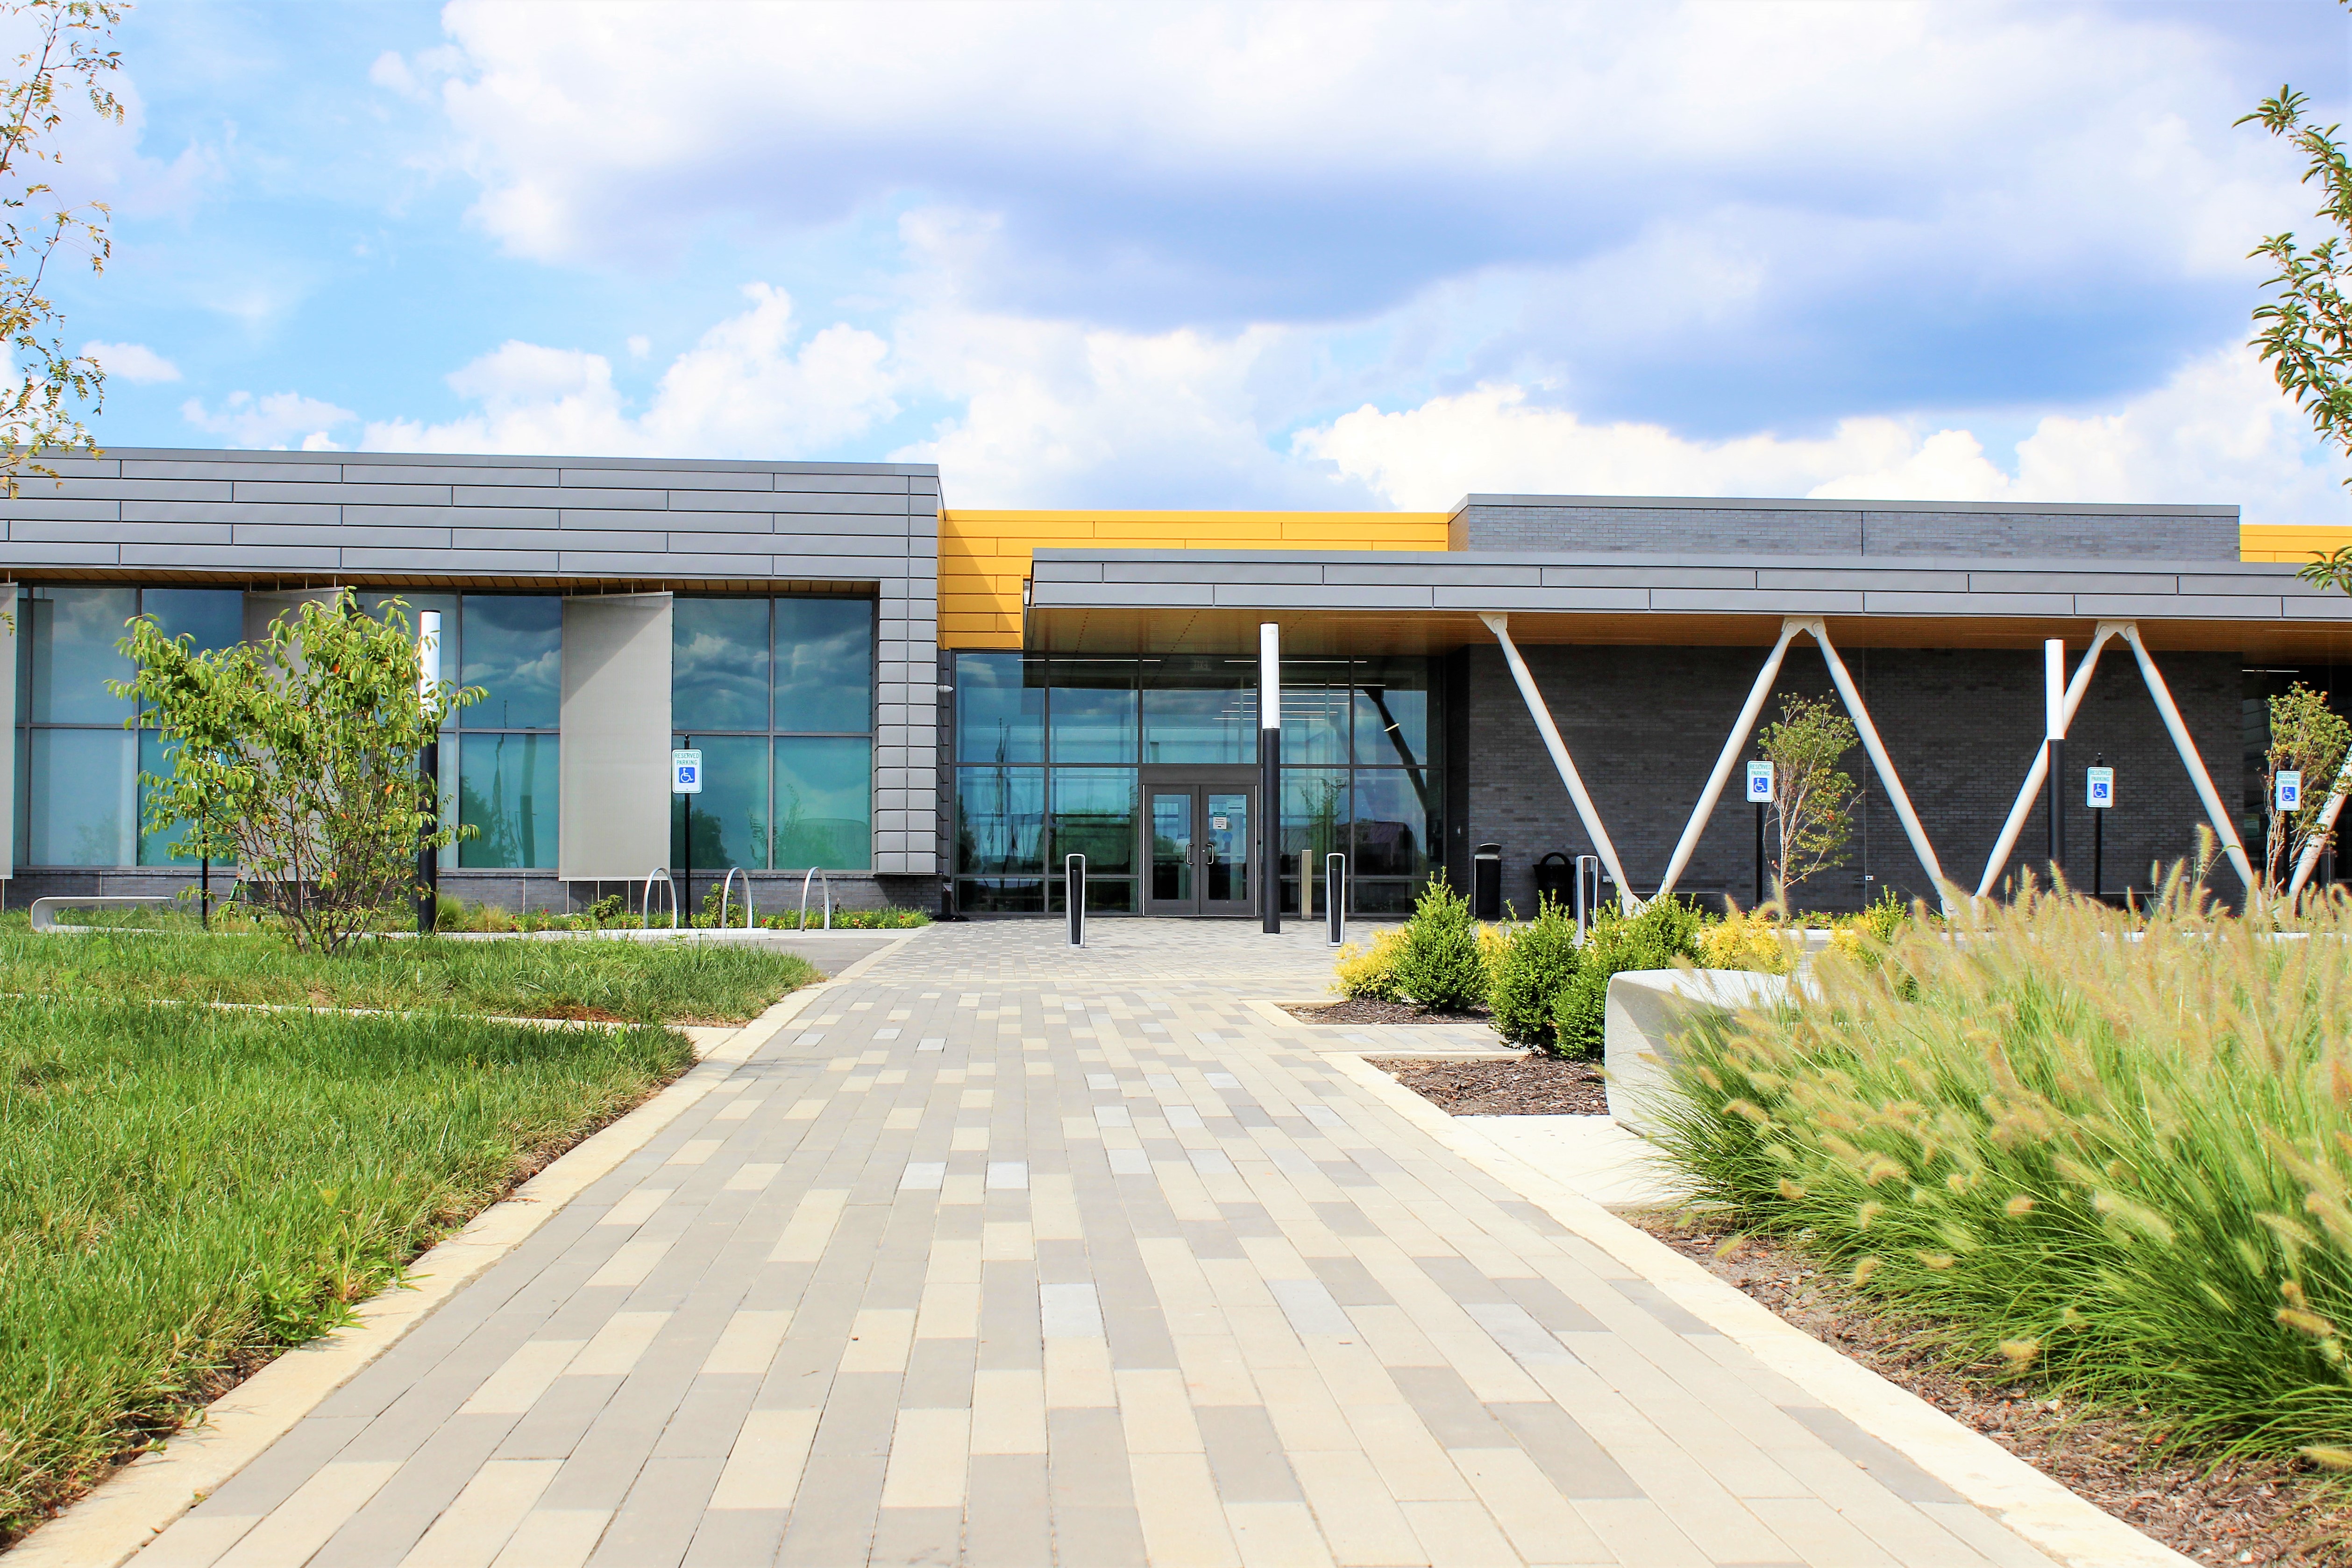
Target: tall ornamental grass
(2121,1162)
(185,1191)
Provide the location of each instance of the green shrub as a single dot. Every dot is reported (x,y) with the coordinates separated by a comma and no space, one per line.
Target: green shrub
(1665,930)
(1369,974)
(2119,1167)
(1438,963)
(1538,962)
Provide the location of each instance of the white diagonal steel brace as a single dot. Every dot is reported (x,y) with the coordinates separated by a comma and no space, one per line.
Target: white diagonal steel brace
(2222,825)
(1879,759)
(1741,729)
(2309,859)
(2034,775)
(1500,626)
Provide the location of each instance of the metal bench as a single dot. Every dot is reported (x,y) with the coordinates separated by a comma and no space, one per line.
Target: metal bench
(44,910)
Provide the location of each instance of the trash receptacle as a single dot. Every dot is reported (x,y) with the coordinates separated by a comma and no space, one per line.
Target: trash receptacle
(1486,882)
(1554,874)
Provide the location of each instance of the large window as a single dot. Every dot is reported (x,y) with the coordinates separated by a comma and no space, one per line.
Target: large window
(1048,752)
(77,795)
(509,756)
(778,696)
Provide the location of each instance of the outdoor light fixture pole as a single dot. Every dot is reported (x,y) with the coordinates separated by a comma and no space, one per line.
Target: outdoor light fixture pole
(2053,662)
(1270,775)
(428,682)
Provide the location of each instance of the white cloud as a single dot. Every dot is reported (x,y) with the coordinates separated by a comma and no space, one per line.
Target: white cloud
(741,391)
(2217,431)
(133,362)
(270,423)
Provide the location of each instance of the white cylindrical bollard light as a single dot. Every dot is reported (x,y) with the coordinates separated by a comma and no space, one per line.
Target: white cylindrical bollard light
(1269,773)
(2054,731)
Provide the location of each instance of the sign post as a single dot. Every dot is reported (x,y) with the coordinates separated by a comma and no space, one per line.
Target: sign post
(1760,792)
(684,783)
(2099,795)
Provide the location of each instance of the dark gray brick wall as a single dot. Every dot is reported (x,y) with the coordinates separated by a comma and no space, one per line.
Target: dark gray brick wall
(1645,725)
(1842,528)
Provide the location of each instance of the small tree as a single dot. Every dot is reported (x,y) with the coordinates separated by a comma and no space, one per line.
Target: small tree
(68,39)
(298,760)
(1812,801)
(2307,737)
(1539,965)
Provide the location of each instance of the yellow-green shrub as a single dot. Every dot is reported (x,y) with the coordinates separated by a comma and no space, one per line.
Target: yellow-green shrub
(1746,941)
(1369,974)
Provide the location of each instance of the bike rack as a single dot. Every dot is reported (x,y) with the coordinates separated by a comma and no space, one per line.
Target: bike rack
(827,882)
(660,874)
(727,888)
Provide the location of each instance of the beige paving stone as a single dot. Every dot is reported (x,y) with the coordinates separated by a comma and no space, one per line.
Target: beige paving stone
(811,1228)
(928,1450)
(1412,1464)
(1459,1535)
(526,1375)
(763,1469)
(473,1530)
(554,1538)
(1008,1411)
(747,1344)
(1277,1535)
(1156,1413)
(1176,1503)
(1077,1374)
(1539,1522)
(295,1529)
(616,1347)
(879,1340)
(1215,1370)
(1639,1531)
(1362,1522)
(950,1309)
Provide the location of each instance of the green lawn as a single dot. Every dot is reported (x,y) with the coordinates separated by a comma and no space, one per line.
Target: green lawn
(185,1191)
(649,982)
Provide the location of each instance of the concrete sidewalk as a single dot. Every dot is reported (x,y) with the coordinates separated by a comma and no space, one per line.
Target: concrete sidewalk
(1007,1254)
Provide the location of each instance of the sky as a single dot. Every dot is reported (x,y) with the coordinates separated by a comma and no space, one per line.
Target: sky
(1329,255)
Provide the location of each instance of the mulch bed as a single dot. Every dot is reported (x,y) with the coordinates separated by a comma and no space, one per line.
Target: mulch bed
(1364,1010)
(1503,1086)
(2245,1512)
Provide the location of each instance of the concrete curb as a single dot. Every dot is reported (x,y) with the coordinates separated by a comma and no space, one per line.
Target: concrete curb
(128,1511)
(2038,1510)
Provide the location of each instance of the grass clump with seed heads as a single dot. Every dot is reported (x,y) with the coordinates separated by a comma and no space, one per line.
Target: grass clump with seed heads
(2113,1153)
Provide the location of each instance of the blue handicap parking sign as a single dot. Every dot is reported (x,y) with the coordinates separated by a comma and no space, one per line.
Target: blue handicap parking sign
(686,772)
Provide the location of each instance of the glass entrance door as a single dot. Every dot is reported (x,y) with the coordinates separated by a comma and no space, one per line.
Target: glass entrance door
(1200,850)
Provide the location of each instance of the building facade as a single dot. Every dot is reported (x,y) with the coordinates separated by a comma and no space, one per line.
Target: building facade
(927,704)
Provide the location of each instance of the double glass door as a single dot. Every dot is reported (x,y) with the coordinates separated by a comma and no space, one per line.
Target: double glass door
(1201,848)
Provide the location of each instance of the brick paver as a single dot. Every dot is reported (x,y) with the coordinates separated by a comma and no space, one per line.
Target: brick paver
(1007,1254)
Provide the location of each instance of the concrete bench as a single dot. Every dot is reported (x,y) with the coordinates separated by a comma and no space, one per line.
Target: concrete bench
(1649,1010)
(44,910)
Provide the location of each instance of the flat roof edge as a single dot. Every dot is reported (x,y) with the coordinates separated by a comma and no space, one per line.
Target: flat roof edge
(1808,504)
(477,460)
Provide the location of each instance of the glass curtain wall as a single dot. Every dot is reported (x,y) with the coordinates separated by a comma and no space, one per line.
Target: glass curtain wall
(79,802)
(509,785)
(778,696)
(1048,751)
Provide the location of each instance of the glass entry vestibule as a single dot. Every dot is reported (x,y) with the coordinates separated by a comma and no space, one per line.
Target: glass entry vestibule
(1058,755)
(1202,852)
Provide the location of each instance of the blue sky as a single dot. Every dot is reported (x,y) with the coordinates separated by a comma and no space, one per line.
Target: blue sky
(1227,256)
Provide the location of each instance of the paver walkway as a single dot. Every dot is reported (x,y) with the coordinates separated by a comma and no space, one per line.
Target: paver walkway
(1007,1254)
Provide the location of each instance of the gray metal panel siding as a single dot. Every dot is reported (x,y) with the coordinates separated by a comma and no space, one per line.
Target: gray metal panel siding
(1804,527)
